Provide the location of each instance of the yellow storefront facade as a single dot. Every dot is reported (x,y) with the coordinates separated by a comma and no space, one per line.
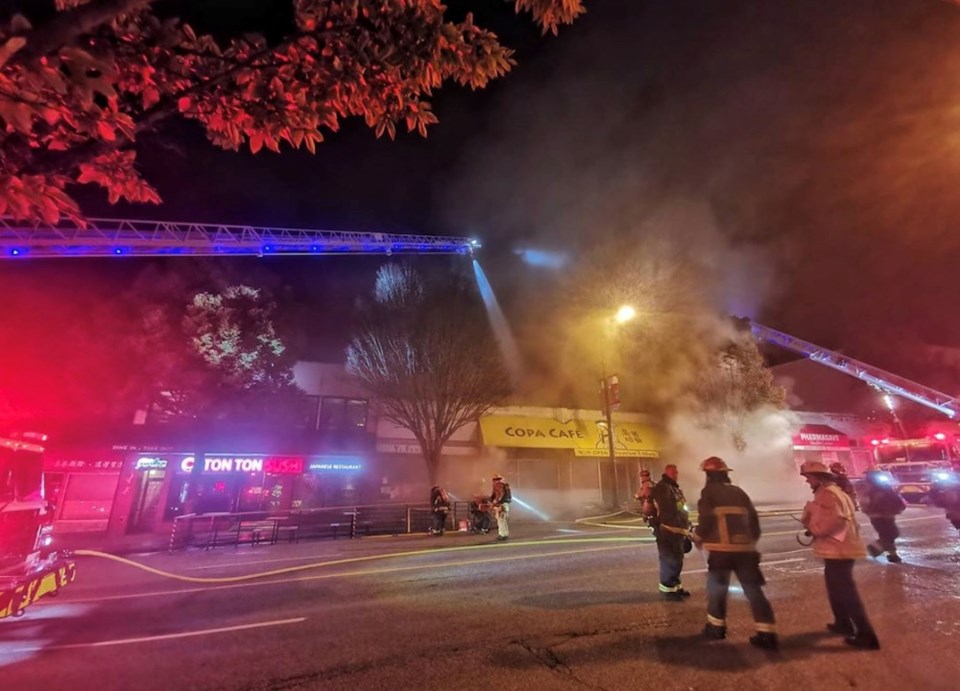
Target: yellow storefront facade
(584,437)
(559,459)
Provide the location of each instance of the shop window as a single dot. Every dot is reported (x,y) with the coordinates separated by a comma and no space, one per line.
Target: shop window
(342,413)
(583,474)
(538,474)
(89,497)
(53,490)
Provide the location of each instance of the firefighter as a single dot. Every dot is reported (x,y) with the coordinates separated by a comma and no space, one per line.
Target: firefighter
(945,493)
(880,501)
(644,495)
(500,500)
(830,518)
(440,505)
(671,526)
(729,529)
(843,482)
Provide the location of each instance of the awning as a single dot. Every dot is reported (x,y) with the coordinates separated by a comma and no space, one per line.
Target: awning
(585,437)
(820,438)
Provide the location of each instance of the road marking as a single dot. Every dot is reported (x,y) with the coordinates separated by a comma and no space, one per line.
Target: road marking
(764,563)
(862,525)
(552,540)
(367,572)
(164,637)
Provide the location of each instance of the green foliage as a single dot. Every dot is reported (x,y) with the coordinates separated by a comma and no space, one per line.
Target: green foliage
(78,88)
(210,356)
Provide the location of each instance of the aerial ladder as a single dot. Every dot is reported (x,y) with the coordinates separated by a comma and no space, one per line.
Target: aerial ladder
(886,382)
(106,237)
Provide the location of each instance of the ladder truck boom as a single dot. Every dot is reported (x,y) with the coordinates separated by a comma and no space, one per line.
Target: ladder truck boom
(882,380)
(106,237)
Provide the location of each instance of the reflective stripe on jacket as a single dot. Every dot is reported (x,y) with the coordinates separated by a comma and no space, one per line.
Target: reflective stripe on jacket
(831,519)
(671,507)
(728,521)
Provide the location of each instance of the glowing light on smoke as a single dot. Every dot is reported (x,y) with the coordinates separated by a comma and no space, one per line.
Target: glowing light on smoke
(501,329)
(544,259)
(536,512)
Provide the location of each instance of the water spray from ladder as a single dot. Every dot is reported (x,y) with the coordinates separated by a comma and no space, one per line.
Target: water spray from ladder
(501,329)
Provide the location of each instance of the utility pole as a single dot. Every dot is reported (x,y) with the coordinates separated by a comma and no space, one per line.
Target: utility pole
(607,407)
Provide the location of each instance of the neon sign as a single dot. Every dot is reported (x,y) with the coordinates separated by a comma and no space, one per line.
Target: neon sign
(273,465)
(335,465)
(151,463)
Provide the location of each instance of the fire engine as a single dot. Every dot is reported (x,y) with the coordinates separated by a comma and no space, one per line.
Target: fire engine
(30,568)
(915,464)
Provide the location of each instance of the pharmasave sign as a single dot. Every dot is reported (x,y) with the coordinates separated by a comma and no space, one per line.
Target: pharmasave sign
(585,437)
(820,437)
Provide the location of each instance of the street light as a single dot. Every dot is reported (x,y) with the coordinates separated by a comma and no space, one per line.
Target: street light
(623,315)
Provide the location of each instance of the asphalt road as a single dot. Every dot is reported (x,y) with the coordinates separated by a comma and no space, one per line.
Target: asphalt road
(557,607)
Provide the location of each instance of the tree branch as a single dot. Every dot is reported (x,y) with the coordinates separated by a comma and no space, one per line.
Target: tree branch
(64,27)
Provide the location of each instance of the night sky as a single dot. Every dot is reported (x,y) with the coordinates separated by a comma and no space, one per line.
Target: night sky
(807,151)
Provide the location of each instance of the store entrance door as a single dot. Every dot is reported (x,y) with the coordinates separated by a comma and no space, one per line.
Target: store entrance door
(148,500)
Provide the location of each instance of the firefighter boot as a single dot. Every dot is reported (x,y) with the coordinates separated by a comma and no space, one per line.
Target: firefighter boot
(893,557)
(714,633)
(866,641)
(874,550)
(765,640)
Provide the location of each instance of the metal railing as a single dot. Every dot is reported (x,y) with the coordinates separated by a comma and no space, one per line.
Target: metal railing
(210,530)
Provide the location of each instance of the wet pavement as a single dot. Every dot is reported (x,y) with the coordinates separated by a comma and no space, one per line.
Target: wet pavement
(557,607)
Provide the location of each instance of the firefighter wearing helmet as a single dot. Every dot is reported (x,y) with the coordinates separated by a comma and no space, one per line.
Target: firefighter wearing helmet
(839,471)
(945,494)
(882,504)
(729,529)
(830,518)
(671,527)
(500,499)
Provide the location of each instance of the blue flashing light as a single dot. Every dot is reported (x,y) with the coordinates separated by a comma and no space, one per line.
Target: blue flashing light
(118,250)
(16,252)
(941,475)
(268,248)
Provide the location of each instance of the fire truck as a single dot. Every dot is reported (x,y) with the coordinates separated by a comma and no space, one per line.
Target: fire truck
(912,464)
(30,567)
(915,464)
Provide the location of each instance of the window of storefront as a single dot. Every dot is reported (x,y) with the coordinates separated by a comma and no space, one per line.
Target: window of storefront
(583,474)
(342,413)
(538,474)
(89,496)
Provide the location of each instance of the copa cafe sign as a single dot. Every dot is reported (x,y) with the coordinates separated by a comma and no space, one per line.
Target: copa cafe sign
(585,437)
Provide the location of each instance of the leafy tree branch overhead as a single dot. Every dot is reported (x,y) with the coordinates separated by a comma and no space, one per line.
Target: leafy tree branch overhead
(79,85)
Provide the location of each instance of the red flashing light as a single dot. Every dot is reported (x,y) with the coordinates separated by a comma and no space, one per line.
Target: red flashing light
(884,441)
(875,442)
(939,436)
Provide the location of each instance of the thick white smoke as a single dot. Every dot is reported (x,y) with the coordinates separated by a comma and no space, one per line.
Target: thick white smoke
(765,468)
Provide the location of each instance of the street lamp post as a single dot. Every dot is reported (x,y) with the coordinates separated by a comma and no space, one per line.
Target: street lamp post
(623,315)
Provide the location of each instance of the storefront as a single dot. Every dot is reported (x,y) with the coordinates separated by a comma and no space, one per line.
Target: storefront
(166,485)
(82,489)
(563,465)
(824,444)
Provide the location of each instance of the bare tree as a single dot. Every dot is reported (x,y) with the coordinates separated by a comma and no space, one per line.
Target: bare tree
(738,383)
(427,355)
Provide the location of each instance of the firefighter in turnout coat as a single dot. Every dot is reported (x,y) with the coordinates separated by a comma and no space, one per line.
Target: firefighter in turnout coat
(880,501)
(671,526)
(830,518)
(729,529)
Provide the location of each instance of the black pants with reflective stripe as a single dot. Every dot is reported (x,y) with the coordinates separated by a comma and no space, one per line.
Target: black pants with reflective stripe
(670,551)
(746,565)
(848,610)
(887,532)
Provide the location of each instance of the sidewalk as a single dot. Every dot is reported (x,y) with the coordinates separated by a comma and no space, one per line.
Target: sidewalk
(114,544)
